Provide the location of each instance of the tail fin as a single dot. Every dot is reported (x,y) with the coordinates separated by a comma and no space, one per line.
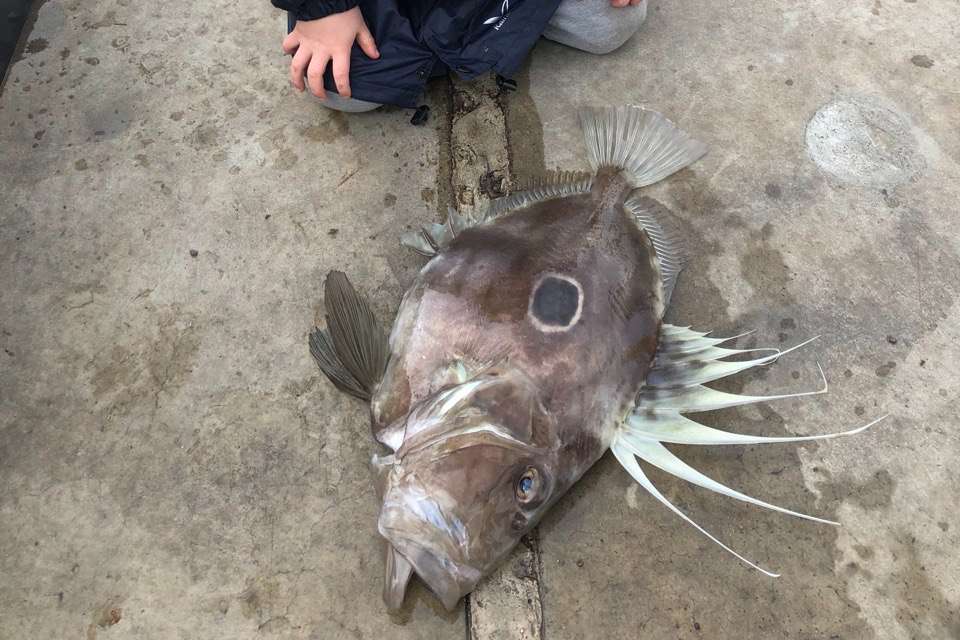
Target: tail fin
(643,143)
(353,351)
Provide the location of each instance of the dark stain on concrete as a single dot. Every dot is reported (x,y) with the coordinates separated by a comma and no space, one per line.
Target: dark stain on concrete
(335,126)
(773,191)
(936,270)
(886,369)
(258,597)
(764,268)
(874,494)
(205,135)
(439,95)
(696,299)
(109,616)
(35,46)
(524,130)
(922,61)
(389,200)
(923,609)
(150,369)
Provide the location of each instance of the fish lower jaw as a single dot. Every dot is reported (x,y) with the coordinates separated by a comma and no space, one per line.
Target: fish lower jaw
(447,580)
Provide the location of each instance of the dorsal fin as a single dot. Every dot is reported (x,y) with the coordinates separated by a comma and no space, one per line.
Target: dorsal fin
(431,239)
(553,184)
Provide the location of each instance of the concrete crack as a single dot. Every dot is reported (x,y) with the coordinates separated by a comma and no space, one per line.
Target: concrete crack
(506,605)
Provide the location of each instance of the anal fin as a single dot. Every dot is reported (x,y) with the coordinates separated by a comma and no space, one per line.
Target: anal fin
(685,360)
(657,222)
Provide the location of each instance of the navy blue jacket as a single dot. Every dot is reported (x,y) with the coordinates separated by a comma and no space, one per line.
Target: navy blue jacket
(419,39)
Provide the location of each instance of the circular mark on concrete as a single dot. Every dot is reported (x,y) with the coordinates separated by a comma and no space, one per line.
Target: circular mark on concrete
(864,141)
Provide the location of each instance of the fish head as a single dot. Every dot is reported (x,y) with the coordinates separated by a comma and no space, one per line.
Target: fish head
(475,471)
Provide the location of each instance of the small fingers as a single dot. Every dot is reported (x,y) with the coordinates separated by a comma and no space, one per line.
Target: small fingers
(367,44)
(341,72)
(291,42)
(315,75)
(298,67)
(619,3)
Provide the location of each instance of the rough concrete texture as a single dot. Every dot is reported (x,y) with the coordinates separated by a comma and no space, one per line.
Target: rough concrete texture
(866,256)
(172,465)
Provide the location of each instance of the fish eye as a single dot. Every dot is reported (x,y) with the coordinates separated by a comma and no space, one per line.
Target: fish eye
(528,486)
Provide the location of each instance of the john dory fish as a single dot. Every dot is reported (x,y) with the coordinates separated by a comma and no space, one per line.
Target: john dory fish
(530,344)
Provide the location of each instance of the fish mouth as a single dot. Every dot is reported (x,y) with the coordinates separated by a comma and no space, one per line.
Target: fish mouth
(447,580)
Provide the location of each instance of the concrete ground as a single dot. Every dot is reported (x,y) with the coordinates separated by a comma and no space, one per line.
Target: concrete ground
(173,466)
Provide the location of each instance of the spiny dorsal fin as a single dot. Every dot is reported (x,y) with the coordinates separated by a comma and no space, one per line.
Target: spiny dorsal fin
(655,219)
(431,239)
(353,352)
(554,184)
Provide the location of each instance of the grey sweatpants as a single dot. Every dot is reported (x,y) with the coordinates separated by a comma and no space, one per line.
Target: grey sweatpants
(589,25)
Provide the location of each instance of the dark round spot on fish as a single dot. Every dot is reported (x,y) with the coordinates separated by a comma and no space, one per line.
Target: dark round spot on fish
(555,302)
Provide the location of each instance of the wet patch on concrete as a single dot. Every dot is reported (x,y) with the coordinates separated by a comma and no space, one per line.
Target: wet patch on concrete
(923,609)
(874,494)
(333,127)
(863,140)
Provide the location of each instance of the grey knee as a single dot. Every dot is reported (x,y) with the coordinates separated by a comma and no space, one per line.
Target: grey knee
(615,27)
(348,105)
(594,26)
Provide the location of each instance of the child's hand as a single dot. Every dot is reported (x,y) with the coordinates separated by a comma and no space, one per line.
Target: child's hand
(314,43)
(624,3)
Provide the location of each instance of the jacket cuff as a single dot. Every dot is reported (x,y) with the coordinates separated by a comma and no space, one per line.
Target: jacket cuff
(314,9)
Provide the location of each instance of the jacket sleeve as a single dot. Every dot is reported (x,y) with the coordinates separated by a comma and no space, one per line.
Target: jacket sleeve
(314,9)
